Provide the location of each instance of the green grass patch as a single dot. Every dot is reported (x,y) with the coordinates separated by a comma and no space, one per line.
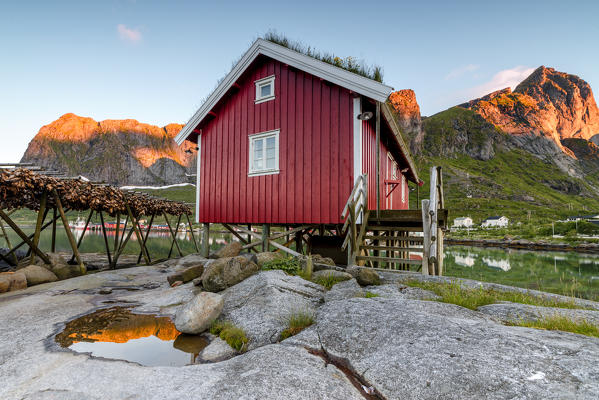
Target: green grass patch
(233,335)
(328,281)
(288,265)
(454,293)
(297,322)
(562,323)
(370,295)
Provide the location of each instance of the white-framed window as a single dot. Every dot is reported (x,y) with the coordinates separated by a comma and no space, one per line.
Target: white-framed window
(264,153)
(265,89)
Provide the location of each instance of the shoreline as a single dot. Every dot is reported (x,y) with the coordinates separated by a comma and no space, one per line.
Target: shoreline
(523,244)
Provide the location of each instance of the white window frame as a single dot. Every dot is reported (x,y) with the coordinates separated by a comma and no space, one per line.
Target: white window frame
(252,171)
(269,80)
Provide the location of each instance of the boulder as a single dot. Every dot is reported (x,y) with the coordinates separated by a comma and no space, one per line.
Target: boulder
(37,275)
(250,256)
(10,281)
(59,266)
(66,271)
(344,290)
(187,274)
(318,259)
(262,304)
(225,272)
(189,261)
(55,260)
(353,270)
(197,315)
(217,350)
(326,273)
(229,250)
(368,277)
(268,256)
(318,262)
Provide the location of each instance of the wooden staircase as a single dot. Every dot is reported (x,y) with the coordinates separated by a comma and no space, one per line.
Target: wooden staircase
(396,239)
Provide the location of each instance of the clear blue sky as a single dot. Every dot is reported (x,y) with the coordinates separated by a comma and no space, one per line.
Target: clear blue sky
(155,60)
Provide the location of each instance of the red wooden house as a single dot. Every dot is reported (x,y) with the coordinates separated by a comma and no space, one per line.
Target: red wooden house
(284,139)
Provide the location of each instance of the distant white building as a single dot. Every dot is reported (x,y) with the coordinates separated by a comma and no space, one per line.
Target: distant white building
(495,222)
(462,222)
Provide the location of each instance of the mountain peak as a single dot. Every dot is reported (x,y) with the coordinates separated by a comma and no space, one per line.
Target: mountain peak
(119,151)
(547,103)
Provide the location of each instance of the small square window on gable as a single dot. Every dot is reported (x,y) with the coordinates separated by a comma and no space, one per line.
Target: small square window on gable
(265,89)
(264,153)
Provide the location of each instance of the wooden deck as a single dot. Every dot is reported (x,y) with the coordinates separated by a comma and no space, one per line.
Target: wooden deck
(387,238)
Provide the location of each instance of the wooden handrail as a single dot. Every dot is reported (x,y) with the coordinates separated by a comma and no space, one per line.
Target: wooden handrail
(357,185)
(355,210)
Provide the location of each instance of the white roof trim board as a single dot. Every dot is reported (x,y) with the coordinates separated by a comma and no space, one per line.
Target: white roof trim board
(354,82)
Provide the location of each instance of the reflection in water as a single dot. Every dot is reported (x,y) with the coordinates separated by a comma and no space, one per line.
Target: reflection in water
(145,339)
(568,273)
(159,242)
(503,264)
(466,261)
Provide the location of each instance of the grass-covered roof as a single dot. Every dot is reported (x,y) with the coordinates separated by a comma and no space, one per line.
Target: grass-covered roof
(349,63)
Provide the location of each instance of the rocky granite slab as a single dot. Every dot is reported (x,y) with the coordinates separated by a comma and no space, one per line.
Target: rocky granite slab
(412,349)
(403,348)
(514,313)
(261,304)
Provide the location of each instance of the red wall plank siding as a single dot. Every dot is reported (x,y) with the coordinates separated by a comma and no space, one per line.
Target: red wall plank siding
(315,156)
(369,167)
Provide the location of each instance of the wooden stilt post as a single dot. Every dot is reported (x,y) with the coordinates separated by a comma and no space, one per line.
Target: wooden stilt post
(91,213)
(426,244)
(67,229)
(172,235)
(440,233)
(116,235)
(238,236)
(195,243)
(124,230)
(205,240)
(7,239)
(126,237)
(106,240)
(53,245)
(439,252)
(175,238)
(298,241)
(249,236)
(146,238)
(137,233)
(41,215)
(24,237)
(30,237)
(37,231)
(265,235)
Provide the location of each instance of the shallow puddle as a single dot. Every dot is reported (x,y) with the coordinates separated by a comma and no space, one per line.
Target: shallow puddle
(118,333)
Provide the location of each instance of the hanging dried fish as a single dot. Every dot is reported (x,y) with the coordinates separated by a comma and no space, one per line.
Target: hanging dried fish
(24,188)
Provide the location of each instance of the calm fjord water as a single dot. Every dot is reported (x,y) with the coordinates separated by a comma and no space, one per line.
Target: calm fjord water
(568,273)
